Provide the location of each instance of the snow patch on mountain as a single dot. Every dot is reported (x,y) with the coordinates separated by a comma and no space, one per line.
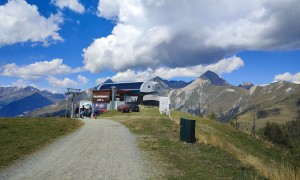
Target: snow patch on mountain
(252,89)
(230,90)
(288,90)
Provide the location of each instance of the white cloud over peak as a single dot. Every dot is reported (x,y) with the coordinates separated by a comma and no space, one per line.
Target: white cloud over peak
(23,83)
(82,79)
(135,76)
(21,22)
(295,78)
(38,69)
(66,82)
(223,66)
(74,5)
(102,80)
(155,34)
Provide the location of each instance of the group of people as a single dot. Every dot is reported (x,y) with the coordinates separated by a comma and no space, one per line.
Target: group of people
(86,112)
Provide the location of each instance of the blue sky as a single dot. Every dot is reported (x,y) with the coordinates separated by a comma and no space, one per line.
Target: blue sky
(55,44)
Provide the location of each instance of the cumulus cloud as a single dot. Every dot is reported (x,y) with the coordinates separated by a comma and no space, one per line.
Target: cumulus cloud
(223,66)
(21,22)
(23,83)
(295,78)
(82,79)
(102,79)
(74,5)
(162,33)
(38,69)
(66,82)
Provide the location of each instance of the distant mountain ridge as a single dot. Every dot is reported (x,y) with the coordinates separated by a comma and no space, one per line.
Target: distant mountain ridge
(246,85)
(25,104)
(172,84)
(108,81)
(12,97)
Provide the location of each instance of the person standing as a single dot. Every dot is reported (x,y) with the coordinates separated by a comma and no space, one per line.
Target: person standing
(82,112)
(76,111)
(95,112)
(90,112)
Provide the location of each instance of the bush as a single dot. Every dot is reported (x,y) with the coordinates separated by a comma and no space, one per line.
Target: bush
(276,134)
(212,115)
(286,135)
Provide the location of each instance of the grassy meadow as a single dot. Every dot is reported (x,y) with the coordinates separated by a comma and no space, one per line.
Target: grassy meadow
(23,136)
(221,152)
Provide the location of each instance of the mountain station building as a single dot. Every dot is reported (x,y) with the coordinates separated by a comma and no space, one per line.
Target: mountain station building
(110,95)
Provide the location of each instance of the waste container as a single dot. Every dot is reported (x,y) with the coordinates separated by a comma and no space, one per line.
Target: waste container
(187,130)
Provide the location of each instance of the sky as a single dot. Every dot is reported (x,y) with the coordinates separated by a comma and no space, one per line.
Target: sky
(58,44)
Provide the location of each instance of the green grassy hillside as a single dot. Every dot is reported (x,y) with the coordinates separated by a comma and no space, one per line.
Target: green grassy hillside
(284,111)
(221,152)
(22,136)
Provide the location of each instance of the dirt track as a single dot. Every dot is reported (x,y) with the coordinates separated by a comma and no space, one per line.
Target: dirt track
(101,149)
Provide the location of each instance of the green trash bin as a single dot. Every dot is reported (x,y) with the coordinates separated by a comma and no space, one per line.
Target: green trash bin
(187,130)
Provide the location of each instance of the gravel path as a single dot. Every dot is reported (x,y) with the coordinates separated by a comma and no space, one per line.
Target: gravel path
(101,149)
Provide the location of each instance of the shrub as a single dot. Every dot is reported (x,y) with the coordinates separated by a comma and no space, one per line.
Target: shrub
(286,135)
(212,115)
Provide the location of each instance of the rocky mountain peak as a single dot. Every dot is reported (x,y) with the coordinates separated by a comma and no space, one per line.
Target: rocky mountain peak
(214,78)
(30,89)
(108,81)
(246,85)
(157,78)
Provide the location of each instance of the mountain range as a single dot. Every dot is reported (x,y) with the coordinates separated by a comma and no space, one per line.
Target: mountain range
(17,101)
(275,102)
(208,93)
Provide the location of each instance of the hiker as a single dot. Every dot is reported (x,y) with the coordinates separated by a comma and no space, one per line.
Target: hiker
(76,112)
(82,113)
(90,112)
(95,113)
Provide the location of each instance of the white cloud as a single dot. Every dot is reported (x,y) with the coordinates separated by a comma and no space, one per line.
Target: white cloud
(82,80)
(59,84)
(108,9)
(23,83)
(187,33)
(74,5)
(288,77)
(21,22)
(38,69)
(223,66)
(102,80)
(136,76)
(66,82)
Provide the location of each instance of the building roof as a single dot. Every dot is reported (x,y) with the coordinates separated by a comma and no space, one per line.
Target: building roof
(121,86)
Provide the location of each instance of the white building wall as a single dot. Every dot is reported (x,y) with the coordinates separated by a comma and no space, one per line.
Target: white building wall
(151,86)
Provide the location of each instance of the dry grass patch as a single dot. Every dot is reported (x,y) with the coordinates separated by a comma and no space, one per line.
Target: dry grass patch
(271,170)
